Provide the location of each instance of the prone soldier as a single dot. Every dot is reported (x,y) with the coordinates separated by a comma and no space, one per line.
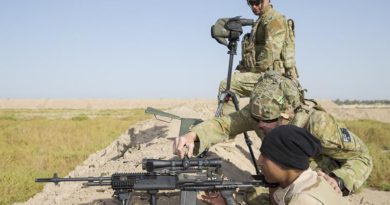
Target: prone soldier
(284,159)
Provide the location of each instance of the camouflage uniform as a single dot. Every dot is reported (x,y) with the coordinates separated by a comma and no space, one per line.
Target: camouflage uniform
(344,153)
(261,51)
(308,188)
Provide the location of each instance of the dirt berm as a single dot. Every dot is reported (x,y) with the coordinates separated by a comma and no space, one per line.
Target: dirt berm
(153,139)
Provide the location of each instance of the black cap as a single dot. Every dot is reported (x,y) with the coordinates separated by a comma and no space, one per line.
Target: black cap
(290,146)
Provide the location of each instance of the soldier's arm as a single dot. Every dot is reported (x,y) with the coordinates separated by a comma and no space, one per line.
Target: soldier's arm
(356,169)
(275,34)
(220,129)
(344,147)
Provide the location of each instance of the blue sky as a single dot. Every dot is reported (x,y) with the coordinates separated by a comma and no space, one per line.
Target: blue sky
(163,49)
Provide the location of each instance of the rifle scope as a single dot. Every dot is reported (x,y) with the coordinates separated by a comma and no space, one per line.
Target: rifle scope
(151,165)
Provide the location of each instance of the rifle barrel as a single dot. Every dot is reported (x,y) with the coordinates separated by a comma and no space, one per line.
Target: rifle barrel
(55,179)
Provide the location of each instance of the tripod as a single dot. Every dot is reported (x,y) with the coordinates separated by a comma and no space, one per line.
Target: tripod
(227,95)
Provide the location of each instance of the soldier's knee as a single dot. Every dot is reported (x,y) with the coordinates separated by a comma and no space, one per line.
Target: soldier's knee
(222,86)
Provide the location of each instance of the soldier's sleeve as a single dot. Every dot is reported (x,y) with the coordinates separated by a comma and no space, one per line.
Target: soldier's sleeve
(343,146)
(275,34)
(219,129)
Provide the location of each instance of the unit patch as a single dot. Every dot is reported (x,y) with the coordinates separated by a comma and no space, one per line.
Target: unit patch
(345,135)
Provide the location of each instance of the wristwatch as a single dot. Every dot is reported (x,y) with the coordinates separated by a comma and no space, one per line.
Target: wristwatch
(340,183)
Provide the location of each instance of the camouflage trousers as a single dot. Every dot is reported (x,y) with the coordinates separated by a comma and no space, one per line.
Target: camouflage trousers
(242,85)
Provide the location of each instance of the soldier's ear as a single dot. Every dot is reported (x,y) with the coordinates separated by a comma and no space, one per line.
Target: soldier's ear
(285,116)
(284,119)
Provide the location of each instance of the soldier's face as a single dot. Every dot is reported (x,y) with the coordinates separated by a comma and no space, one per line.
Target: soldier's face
(258,6)
(267,125)
(272,172)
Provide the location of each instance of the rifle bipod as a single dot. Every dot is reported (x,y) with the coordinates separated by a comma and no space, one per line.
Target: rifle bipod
(124,197)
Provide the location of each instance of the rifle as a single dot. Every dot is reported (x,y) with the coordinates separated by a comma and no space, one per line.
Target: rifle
(187,175)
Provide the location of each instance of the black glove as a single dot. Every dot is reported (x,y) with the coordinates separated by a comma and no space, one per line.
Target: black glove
(340,183)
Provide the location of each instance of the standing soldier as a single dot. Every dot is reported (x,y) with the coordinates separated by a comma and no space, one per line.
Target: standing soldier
(269,46)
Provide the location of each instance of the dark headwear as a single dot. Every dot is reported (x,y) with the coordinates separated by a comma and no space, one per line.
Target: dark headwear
(290,146)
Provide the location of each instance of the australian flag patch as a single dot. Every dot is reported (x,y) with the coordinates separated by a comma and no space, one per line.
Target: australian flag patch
(345,135)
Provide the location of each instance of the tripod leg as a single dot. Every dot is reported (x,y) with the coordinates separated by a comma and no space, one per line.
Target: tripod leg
(248,141)
(228,95)
(223,97)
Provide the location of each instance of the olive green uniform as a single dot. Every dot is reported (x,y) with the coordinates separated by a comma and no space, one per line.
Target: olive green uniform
(261,52)
(347,157)
(344,154)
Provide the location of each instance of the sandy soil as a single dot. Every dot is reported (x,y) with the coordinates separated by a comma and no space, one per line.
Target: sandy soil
(153,139)
(348,112)
(97,103)
(378,112)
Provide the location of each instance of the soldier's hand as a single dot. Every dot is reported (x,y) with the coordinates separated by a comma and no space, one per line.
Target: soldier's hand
(249,63)
(331,181)
(241,67)
(213,198)
(184,143)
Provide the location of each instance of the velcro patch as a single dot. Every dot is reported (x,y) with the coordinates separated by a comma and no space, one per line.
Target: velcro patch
(345,135)
(280,100)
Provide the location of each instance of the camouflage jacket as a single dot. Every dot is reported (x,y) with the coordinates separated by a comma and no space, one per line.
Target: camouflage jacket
(308,188)
(262,49)
(344,153)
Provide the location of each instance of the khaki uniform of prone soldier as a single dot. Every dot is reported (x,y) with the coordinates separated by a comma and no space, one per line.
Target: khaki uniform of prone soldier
(308,188)
(270,46)
(284,159)
(345,156)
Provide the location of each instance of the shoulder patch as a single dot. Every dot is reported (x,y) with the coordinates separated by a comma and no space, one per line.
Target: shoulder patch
(345,135)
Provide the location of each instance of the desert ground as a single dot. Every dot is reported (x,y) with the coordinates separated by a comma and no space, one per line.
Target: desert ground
(153,139)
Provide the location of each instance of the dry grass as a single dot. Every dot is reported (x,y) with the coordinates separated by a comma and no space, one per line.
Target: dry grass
(377,137)
(35,143)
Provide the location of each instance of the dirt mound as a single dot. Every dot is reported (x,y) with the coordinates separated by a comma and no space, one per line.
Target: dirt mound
(153,139)
(355,112)
(97,103)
